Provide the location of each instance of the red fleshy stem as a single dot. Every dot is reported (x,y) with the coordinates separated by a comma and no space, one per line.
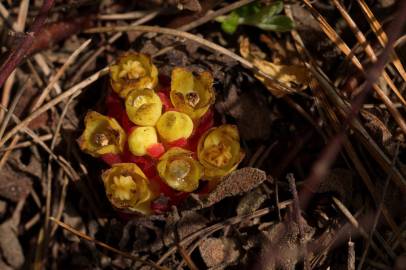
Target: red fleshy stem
(166,102)
(115,107)
(111,159)
(182,142)
(165,81)
(206,122)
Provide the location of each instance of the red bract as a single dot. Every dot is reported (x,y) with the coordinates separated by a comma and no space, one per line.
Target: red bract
(156,150)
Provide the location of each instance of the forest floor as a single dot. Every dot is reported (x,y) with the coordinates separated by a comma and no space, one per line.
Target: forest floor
(316,89)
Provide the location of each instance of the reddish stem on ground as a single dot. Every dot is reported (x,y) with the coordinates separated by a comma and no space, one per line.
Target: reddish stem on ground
(21,50)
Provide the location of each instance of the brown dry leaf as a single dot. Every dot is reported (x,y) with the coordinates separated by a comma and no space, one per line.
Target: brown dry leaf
(251,202)
(282,248)
(14,186)
(293,76)
(236,183)
(10,245)
(189,223)
(379,130)
(339,181)
(218,252)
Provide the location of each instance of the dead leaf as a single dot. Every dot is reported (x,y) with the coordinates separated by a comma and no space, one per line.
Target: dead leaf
(251,202)
(379,130)
(282,248)
(251,111)
(236,183)
(295,77)
(189,223)
(339,181)
(10,246)
(14,186)
(218,252)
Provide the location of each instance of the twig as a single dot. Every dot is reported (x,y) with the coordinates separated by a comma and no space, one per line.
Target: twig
(123,16)
(59,74)
(322,165)
(378,212)
(12,107)
(173,32)
(103,245)
(208,17)
(149,16)
(66,94)
(356,225)
(213,228)
(197,39)
(367,48)
(351,256)
(381,35)
(17,27)
(16,56)
(24,144)
(298,218)
(336,39)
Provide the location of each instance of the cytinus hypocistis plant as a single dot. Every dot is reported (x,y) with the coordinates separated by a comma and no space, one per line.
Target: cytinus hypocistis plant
(157,137)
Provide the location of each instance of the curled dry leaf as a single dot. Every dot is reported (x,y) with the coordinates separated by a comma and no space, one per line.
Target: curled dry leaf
(218,252)
(282,248)
(236,183)
(10,245)
(293,76)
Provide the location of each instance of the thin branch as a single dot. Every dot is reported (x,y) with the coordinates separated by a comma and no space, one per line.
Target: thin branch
(16,56)
(104,245)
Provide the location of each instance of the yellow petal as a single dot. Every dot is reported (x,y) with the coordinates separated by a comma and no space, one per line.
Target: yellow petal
(133,71)
(143,107)
(128,188)
(219,151)
(191,94)
(140,139)
(102,135)
(172,126)
(179,170)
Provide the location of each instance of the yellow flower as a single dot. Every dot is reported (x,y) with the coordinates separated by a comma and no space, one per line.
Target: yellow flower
(191,94)
(173,126)
(133,71)
(143,107)
(102,135)
(140,139)
(219,151)
(128,188)
(179,170)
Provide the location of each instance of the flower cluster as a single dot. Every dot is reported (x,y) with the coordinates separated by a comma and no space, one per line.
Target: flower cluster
(158,137)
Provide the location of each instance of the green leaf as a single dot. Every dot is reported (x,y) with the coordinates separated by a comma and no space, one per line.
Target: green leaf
(249,10)
(279,23)
(230,24)
(263,14)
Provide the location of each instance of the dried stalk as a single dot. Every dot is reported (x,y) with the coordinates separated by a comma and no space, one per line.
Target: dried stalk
(17,55)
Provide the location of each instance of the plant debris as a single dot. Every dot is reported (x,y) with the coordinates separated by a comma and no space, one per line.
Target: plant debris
(194,117)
